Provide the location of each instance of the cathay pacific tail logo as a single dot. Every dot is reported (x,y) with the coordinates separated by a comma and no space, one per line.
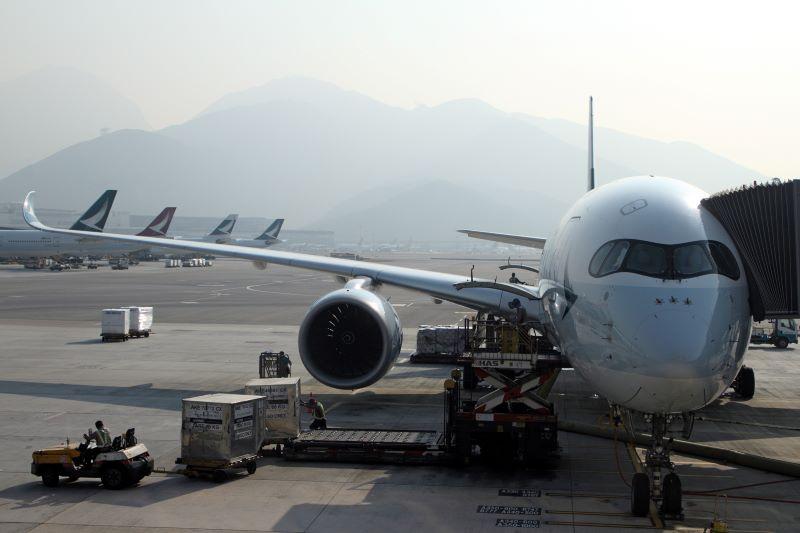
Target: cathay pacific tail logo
(226,226)
(95,218)
(160,225)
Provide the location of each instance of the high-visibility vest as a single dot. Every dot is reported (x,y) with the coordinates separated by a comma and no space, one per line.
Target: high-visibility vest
(319,411)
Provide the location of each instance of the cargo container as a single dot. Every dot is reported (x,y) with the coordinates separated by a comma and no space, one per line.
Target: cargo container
(281,407)
(141,321)
(221,430)
(115,324)
(447,340)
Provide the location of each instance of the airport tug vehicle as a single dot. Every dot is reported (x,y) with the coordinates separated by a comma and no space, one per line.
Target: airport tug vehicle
(123,464)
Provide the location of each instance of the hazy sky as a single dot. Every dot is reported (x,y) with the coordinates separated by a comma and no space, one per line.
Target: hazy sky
(724,74)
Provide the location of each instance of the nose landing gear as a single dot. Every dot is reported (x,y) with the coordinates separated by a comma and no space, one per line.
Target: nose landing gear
(665,492)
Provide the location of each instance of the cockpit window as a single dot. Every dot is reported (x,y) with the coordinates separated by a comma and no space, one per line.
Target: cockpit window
(692,260)
(724,260)
(646,258)
(664,261)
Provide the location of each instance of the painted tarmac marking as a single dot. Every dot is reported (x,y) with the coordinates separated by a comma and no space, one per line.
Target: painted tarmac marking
(509,509)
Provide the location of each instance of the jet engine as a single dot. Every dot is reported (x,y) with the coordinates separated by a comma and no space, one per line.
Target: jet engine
(350,338)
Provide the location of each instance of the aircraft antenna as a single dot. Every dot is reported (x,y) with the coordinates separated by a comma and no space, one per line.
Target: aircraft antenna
(591,145)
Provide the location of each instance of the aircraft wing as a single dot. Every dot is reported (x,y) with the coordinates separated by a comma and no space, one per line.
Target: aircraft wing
(483,295)
(519,240)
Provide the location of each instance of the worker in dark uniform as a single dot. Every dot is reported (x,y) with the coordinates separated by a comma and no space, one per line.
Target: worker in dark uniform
(515,279)
(318,412)
(284,365)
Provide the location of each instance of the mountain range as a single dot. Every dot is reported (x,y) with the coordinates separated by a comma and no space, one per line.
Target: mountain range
(327,158)
(55,107)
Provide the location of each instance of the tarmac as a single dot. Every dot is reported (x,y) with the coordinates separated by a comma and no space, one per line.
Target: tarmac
(57,378)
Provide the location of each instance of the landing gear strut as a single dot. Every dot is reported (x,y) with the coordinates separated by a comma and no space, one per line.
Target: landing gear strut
(645,487)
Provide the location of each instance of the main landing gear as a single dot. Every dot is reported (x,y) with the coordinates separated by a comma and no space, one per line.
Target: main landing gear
(650,486)
(745,383)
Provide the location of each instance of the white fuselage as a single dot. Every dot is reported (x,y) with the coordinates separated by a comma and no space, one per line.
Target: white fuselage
(27,244)
(651,343)
(35,243)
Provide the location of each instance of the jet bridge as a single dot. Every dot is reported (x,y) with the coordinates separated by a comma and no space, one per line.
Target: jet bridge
(762,220)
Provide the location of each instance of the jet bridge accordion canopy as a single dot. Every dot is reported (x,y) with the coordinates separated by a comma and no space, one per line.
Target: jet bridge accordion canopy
(763,222)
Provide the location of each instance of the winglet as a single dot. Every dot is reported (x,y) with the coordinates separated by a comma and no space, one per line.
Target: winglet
(29,214)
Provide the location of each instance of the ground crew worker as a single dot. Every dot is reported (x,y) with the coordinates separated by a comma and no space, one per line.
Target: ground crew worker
(318,411)
(284,365)
(515,279)
(102,440)
(101,436)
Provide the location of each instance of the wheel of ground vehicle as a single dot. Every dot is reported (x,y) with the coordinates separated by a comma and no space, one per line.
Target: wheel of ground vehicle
(640,494)
(782,343)
(113,477)
(50,477)
(746,383)
(146,334)
(251,467)
(219,476)
(672,504)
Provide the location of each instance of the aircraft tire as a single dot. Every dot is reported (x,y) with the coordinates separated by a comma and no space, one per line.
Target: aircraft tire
(640,494)
(746,383)
(673,495)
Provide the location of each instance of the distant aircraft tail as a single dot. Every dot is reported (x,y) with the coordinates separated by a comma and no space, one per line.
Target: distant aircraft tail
(272,231)
(94,219)
(160,225)
(225,227)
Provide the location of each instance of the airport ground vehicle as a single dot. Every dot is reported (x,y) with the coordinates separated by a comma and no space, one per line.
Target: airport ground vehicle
(120,265)
(124,464)
(778,332)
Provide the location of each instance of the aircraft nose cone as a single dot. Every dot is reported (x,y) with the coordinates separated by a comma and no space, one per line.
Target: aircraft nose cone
(675,343)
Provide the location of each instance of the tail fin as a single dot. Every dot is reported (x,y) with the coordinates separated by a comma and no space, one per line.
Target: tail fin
(94,219)
(591,145)
(226,226)
(272,231)
(160,225)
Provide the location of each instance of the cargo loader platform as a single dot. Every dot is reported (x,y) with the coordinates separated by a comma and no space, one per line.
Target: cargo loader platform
(369,446)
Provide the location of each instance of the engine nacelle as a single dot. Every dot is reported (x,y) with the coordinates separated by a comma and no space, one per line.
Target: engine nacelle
(350,338)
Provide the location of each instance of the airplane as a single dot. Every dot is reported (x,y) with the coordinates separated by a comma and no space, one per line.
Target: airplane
(222,233)
(641,288)
(267,238)
(27,243)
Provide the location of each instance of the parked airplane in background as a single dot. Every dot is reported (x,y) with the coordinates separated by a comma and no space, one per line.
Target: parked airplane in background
(27,243)
(222,233)
(641,288)
(267,238)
